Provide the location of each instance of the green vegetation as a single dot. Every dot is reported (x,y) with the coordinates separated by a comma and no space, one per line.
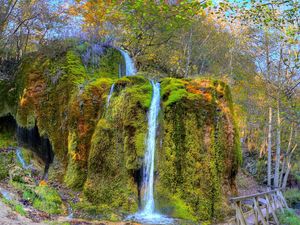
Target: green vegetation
(7,140)
(43,198)
(292,197)
(48,200)
(20,209)
(289,217)
(91,210)
(196,50)
(102,149)
(173,90)
(6,160)
(117,146)
(191,161)
(15,206)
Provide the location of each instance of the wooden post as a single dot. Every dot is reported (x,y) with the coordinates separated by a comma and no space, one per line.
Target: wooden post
(273,209)
(267,208)
(258,209)
(240,214)
(255,212)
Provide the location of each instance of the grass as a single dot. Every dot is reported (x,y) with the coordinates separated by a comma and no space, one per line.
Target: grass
(15,206)
(292,197)
(43,198)
(47,200)
(289,217)
(20,209)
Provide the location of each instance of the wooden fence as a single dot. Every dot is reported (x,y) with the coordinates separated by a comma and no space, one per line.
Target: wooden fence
(259,208)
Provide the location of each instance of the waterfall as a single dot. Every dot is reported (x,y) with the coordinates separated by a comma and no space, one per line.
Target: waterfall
(110,94)
(148,214)
(6,194)
(21,160)
(70,211)
(148,172)
(129,64)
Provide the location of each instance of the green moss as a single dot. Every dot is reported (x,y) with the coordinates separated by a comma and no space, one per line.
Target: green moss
(140,144)
(8,97)
(47,200)
(137,90)
(75,175)
(92,210)
(74,67)
(173,205)
(6,160)
(173,90)
(176,96)
(102,148)
(108,181)
(43,198)
(106,65)
(117,146)
(191,162)
(7,139)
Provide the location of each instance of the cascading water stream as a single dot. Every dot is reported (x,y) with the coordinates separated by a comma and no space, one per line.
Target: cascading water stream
(21,159)
(129,64)
(129,71)
(148,172)
(148,214)
(6,194)
(109,95)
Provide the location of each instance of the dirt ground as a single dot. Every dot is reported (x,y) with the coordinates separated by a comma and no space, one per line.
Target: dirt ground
(8,217)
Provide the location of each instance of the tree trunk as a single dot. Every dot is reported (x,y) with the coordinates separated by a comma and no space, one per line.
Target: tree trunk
(189,52)
(285,159)
(278,147)
(270,148)
(282,171)
(286,175)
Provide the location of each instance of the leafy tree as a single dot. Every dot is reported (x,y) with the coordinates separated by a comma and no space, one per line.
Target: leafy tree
(275,48)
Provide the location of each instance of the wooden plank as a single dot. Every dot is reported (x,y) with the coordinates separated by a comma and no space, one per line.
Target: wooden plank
(245,197)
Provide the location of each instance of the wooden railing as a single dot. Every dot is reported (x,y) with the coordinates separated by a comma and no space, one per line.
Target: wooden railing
(258,208)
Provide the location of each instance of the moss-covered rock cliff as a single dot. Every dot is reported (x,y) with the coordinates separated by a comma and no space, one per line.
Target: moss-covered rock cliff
(102,147)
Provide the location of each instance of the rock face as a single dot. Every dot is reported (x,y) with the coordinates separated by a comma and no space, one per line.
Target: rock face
(102,148)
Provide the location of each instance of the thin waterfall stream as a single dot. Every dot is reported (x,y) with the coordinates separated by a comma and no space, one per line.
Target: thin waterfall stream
(148,172)
(129,71)
(109,95)
(6,194)
(148,214)
(21,159)
(129,64)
